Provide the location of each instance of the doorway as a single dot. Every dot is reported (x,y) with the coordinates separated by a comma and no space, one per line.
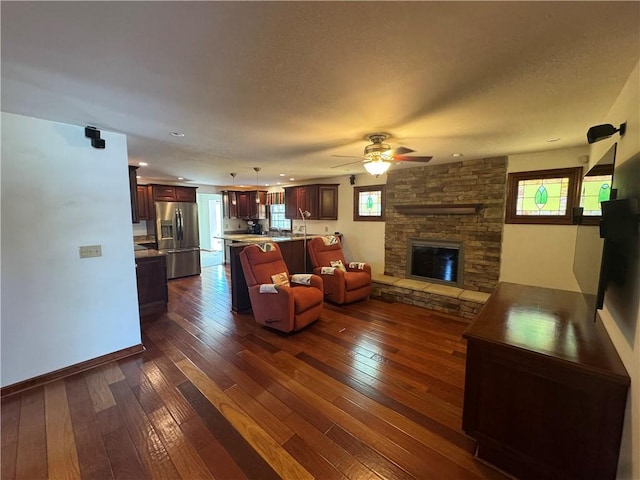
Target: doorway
(210,219)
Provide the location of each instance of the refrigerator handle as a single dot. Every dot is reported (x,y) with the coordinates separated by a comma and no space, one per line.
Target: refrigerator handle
(177,215)
(180,226)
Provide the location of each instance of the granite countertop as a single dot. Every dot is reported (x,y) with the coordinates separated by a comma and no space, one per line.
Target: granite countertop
(252,238)
(143,252)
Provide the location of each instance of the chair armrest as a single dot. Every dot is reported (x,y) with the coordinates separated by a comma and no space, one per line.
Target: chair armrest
(366,268)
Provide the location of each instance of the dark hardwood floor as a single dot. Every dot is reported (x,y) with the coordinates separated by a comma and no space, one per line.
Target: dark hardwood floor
(371,390)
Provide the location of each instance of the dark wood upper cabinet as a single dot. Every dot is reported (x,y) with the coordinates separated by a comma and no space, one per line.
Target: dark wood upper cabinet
(328,202)
(133,194)
(242,204)
(320,200)
(172,193)
(143,202)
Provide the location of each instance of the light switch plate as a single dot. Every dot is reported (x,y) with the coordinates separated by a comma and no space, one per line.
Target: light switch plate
(89,251)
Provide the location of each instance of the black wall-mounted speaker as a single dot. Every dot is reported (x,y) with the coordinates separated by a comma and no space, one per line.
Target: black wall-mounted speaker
(576,215)
(352,179)
(94,134)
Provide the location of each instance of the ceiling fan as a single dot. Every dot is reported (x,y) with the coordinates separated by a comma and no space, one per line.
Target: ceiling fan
(378,155)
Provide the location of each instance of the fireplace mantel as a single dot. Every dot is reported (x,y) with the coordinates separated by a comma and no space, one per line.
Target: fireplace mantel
(440,209)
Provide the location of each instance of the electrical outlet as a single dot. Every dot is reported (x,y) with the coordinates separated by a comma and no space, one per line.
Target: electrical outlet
(326,229)
(89,251)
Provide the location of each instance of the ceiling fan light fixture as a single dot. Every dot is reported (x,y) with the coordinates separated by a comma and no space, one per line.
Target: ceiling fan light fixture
(377,167)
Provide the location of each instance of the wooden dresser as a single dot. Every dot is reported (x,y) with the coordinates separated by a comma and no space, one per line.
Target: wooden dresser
(545,390)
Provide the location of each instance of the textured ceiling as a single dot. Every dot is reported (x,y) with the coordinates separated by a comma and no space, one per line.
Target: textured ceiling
(287,85)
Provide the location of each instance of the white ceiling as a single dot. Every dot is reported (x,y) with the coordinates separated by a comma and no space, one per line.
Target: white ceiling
(286,85)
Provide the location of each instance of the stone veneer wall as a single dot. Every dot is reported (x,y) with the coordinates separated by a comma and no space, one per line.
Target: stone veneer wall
(480,181)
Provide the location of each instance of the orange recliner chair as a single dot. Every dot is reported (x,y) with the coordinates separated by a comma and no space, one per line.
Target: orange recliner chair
(343,282)
(277,300)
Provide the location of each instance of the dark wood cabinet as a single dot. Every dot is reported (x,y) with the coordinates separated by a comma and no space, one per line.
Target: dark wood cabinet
(327,202)
(151,275)
(242,204)
(320,200)
(133,194)
(143,202)
(172,193)
(545,390)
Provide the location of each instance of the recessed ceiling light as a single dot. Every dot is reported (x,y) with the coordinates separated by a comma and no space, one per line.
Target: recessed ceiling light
(180,178)
(143,164)
(138,176)
(292,179)
(177,134)
(554,139)
(278,183)
(266,184)
(282,174)
(456,155)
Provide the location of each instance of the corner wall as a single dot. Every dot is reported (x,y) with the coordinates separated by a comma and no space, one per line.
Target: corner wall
(541,255)
(624,328)
(59,193)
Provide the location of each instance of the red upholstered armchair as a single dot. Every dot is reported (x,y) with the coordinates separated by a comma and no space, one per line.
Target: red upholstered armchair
(339,286)
(283,304)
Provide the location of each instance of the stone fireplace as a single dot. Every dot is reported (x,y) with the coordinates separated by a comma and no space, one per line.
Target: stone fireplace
(461,202)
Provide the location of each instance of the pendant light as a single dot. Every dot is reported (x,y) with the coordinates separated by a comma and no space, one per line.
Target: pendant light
(233,197)
(257,169)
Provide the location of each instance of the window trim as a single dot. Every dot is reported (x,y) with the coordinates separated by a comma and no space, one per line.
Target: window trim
(575,180)
(368,218)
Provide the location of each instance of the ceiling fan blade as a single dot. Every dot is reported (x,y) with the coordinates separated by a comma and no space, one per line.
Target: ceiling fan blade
(347,156)
(402,150)
(403,158)
(345,164)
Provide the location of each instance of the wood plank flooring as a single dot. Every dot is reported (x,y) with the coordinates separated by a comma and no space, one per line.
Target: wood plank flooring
(372,390)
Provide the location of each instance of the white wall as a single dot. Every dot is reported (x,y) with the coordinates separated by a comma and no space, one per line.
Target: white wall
(59,193)
(541,255)
(625,332)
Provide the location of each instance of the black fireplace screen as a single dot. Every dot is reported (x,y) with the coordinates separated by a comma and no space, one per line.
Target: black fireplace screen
(436,261)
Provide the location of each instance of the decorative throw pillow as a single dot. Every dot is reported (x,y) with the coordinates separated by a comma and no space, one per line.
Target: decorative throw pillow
(266,246)
(338,264)
(301,278)
(280,279)
(330,240)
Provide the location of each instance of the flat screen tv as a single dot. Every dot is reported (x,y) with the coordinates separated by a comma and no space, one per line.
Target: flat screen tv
(589,262)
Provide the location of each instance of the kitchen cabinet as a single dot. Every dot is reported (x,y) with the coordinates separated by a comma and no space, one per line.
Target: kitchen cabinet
(545,391)
(151,276)
(320,200)
(133,194)
(172,193)
(245,206)
(143,202)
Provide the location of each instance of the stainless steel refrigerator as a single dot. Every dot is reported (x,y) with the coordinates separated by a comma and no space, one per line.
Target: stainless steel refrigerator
(177,235)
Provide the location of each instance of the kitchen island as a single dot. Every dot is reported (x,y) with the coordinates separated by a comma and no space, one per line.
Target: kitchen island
(293,252)
(151,277)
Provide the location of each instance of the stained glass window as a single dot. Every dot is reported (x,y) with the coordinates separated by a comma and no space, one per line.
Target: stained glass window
(544,196)
(368,203)
(595,189)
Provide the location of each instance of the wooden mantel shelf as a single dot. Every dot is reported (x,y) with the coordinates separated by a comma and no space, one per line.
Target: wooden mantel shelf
(440,209)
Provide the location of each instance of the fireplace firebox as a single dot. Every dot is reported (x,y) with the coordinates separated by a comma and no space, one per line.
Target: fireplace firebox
(436,261)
